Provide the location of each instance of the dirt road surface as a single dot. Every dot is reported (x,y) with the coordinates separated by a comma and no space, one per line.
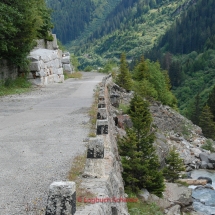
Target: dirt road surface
(40,133)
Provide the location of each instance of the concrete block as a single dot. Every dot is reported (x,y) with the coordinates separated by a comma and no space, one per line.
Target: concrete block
(61,199)
(59,53)
(102,127)
(102,113)
(41,44)
(35,66)
(115,100)
(101,96)
(94,168)
(60,71)
(65,60)
(101,105)
(95,148)
(41,73)
(58,78)
(67,68)
(34,58)
(52,45)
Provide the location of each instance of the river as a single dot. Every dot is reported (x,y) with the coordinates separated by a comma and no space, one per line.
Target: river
(204,199)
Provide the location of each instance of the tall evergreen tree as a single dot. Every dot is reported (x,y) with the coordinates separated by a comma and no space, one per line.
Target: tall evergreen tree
(174,166)
(139,158)
(124,77)
(175,73)
(211,102)
(195,112)
(206,122)
(140,71)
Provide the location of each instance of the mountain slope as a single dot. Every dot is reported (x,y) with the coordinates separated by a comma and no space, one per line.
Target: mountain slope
(133,27)
(77,19)
(190,57)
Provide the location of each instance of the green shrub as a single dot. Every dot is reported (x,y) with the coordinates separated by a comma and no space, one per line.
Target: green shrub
(11,86)
(124,108)
(209,145)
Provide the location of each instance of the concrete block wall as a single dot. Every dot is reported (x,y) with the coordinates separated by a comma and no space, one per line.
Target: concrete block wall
(103,168)
(102,175)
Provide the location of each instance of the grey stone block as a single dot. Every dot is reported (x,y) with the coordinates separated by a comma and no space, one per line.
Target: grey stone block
(102,127)
(65,60)
(62,199)
(102,113)
(115,100)
(67,68)
(101,97)
(35,66)
(95,148)
(52,45)
(101,105)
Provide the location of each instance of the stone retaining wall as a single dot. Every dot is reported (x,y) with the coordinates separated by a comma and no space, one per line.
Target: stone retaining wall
(102,174)
(7,71)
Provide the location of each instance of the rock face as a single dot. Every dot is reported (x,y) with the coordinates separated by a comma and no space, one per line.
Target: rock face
(211,158)
(47,63)
(176,199)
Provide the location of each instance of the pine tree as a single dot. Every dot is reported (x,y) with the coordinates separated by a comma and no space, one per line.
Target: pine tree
(174,166)
(211,102)
(195,111)
(140,161)
(206,122)
(140,71)
(124,78)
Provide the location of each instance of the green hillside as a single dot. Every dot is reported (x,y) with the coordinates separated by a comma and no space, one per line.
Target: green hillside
(75,20)
(187,51)
(132,28)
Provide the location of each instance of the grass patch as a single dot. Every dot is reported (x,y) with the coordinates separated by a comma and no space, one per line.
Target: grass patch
(209,145)
(72,75)
(75,173)
(16,86)
(93,114)
(124,108)
(142,208)
(183,183)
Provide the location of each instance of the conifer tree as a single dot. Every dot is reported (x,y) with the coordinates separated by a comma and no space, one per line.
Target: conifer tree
(211,102)
(206,122)
(140,161)
(174,166)
(124,78)
(195,111)
(140,71)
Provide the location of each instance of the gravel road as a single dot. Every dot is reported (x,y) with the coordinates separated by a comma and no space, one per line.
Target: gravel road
(40,133)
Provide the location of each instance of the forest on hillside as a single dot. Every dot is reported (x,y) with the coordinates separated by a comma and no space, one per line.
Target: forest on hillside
(78,19)
(133,28)
(187,52)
